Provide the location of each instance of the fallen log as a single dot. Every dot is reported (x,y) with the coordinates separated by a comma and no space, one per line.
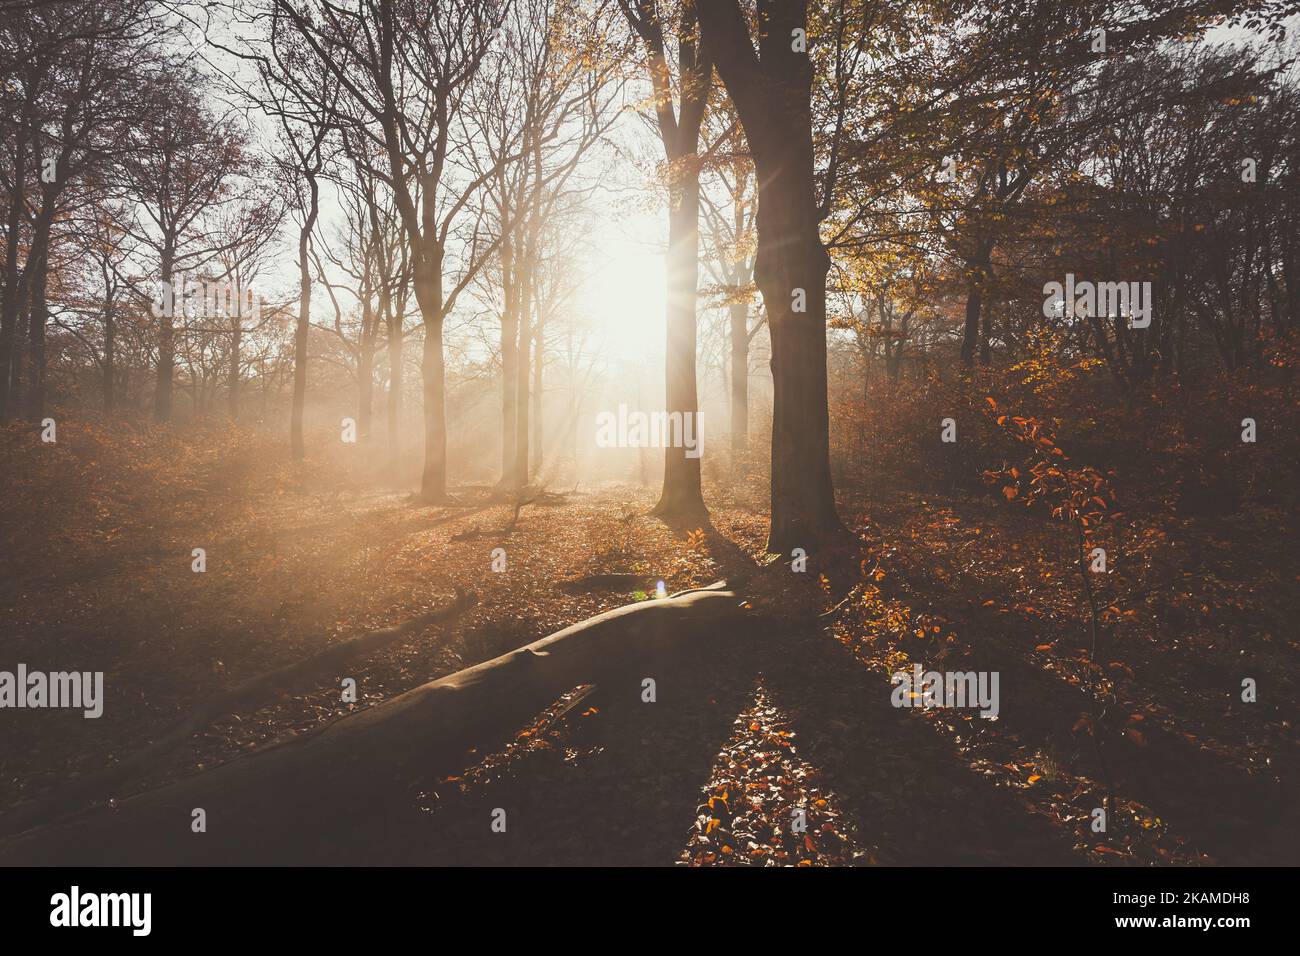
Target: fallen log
(253,693)
(296,801)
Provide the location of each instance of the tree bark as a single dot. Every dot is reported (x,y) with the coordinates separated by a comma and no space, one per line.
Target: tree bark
(509,360)
(11,303)
(394,391)
(680,133)
(803,501)
(977,274)
(739,380)
(429,297)
(682,495)
(110,356)
(38,312)
(297,449)
(772,90)
(366,375)
(524,277)
(236,359)
(433,485)
(162,394)
(537,398)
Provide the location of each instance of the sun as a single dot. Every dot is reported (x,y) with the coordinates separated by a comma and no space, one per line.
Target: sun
(624,292)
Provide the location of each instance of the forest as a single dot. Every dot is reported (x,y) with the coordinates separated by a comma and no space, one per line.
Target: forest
(630,433)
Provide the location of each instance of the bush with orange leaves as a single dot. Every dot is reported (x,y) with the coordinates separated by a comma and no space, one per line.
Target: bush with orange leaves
(1080,497)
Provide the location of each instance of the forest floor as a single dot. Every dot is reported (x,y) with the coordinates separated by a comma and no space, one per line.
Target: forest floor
(95,574)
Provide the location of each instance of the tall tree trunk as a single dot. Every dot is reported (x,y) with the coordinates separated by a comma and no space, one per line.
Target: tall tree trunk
(365,391)
(366,375)
(680,132)
(110,357)
(575,410)
(433,485)
(38,318)
(681,495)
(428,294)
(537,399)
(162,393)
(977,276)
(509,361)
(772,90)
(519,472)
(986,336)
(236,360)
(37,281)
(739,380)
(394,392)
(525,274)
(296,447)
(791,257)
(17,361)
(11,302)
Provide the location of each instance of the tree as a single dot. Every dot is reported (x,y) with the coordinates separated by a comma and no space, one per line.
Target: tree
(73,89)
(730,262)
(301,96)
(679,131)
(184,165)
(771,87)
(545,102)
(405,73)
